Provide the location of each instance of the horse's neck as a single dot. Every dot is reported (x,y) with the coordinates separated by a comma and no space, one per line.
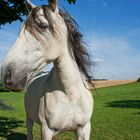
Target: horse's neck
(66,70)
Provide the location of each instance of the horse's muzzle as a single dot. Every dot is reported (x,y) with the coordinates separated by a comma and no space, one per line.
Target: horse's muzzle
(12,84)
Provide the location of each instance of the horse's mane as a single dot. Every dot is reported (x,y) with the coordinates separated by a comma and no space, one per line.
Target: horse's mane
(75,41)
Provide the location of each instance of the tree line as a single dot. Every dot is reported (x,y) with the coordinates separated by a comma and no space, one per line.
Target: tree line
(2,88)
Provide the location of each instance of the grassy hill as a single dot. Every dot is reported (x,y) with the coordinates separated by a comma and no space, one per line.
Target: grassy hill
(116,115)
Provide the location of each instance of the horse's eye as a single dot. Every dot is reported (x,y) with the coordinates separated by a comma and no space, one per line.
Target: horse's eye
(43,25)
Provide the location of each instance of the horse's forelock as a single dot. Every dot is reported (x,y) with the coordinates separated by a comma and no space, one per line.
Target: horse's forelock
(35,28)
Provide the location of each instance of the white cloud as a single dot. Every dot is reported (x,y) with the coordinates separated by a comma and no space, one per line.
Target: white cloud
(97,60)
(119,59)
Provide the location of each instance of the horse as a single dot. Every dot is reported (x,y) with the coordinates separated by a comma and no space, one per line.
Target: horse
(58,101)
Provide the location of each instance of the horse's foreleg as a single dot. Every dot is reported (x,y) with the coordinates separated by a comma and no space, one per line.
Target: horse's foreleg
(83,133)
(47,134)
(29,125)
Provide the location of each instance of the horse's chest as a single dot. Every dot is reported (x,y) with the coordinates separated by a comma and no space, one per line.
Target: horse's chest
(61,113)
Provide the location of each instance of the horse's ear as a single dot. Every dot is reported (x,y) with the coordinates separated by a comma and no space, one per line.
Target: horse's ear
(54,5)
(29,5)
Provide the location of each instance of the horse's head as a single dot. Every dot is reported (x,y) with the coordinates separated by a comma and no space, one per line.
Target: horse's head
(42,39)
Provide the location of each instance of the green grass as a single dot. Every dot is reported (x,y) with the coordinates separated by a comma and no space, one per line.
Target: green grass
(116,115)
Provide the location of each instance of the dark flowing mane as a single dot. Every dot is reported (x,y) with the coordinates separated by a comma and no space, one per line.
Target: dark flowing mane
(75,41)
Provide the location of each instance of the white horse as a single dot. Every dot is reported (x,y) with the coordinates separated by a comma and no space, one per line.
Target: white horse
(58,101)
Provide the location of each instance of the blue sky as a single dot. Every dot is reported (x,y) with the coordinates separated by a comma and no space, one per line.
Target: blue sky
(111,28)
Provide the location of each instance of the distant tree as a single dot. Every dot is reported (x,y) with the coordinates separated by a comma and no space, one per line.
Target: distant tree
(71,1)
(138,79)
(12,10)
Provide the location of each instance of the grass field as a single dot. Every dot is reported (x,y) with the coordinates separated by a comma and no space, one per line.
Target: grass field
(116,115)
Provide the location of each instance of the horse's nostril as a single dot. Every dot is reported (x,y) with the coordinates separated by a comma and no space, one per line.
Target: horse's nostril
(8,74)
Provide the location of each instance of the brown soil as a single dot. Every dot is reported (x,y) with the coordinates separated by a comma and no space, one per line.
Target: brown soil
(99,84)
